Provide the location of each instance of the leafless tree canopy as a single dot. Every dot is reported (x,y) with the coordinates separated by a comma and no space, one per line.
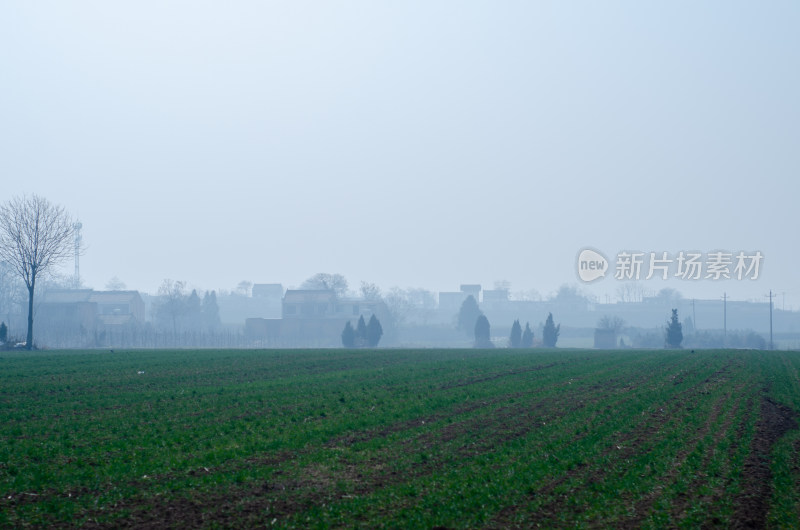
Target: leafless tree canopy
(630,292)
(34,236)
(322,280)
(171,307)
(614,323)
(115,284)
(370,291)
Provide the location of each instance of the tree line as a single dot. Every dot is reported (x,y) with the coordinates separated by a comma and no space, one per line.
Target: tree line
(178,312)
(35,236)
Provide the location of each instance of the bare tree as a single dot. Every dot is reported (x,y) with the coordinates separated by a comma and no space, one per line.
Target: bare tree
(669,296)
(423,304)
(409,305)
(370,291)
(35,235)
(173,303)
(630,292)
(570,294)
(614,323)
(398,305)
(115,284)
(530,295)
(335,282)
(244,287)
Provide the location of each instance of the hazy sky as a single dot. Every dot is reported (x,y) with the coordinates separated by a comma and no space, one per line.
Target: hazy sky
(407,143)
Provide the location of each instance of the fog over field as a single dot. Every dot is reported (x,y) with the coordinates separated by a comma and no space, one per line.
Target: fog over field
(423,144)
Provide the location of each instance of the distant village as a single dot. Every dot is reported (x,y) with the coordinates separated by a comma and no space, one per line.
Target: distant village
(268,315)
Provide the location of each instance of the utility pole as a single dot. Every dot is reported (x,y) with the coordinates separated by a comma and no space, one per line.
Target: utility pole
(76,280)
(771,344)
(724,319)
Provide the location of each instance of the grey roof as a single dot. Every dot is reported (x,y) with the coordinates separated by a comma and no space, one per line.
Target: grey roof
(74,296)
(309,295)
(66,296)
(267,289)
(114,297)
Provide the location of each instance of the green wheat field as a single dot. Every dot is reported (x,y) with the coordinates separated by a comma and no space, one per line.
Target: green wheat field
(399,438)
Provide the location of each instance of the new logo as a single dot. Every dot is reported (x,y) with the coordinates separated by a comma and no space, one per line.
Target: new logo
(591,265)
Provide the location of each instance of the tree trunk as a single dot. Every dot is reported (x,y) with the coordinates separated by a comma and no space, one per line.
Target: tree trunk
(29,340)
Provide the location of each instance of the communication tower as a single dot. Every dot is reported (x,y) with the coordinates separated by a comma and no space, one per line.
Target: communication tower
(76,281)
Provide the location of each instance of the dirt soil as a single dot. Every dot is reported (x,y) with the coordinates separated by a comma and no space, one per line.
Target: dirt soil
(753,501)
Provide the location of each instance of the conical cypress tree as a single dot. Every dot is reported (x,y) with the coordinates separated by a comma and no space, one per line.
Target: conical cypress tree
(483,333)
(374,332)
(348,336)
(550,332)
(361,332)
(515,339)
(674,331)
(527,336)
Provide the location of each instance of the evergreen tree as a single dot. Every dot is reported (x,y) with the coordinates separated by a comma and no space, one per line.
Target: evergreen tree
(361,332)
(468,314)
(3,332)
(193,310)
(550,332)
(674,335)
(374,332)
(348,336)
(515,339)
(210,310)
(483,333)
(527,336)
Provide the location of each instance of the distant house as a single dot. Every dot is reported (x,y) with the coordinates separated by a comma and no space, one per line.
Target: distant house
(309,318)
(267,299)
(264,302)
(118,308)
(267,290)
(450,302)
(495,296)
(325,304)
(309,304)
(312,318)
(605,339)
(79,317)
